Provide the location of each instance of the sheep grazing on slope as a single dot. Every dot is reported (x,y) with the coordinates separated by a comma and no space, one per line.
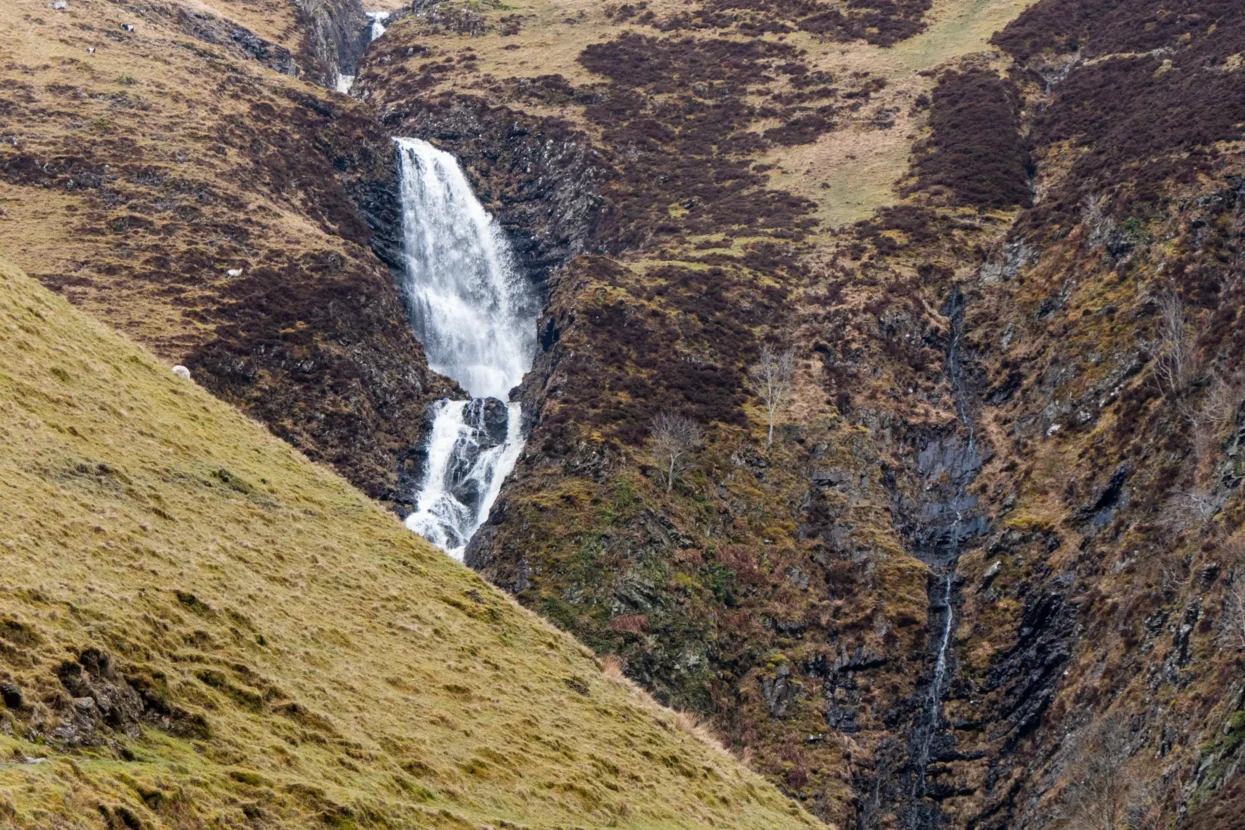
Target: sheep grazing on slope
(234,272)
(182,372)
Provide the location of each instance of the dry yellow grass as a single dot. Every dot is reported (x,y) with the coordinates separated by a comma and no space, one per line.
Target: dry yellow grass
(346,673)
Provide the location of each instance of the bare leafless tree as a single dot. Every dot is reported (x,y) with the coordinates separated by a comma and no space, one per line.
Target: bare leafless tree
(1232,553)
(1176,364)
(674,437)
(1234,612)
(1105,794)
(1214,420)
(1096,222)
(1189,510)
(771,378)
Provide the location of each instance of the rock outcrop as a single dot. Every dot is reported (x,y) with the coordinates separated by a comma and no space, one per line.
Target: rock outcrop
(336,33)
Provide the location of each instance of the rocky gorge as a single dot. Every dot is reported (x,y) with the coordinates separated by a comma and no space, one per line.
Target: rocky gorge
(987,575)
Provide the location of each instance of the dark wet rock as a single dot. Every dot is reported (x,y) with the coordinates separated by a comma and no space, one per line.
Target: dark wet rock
(829,478)
(337,32)
(12,696)
(100,697)
(840,687)
(537,176)
(490,417)
(1180,655)
(780,690)
(379,202)
(1101,512)
(1028,673)
(104,701)
(1014,257)
(938,518)
(1006,389)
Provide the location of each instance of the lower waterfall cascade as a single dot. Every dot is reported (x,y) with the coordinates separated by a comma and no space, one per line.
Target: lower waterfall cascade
(476,317)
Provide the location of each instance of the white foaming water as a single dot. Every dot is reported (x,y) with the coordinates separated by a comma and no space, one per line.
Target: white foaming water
(469,306)
(476,317)
(378,23)
(464,474)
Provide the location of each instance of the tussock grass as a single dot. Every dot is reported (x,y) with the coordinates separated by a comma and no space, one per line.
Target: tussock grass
(336,670)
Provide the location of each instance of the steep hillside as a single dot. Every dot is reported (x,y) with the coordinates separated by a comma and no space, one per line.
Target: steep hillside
(199,627)
(987,573)
(687,168)
(139,167)
(993,543)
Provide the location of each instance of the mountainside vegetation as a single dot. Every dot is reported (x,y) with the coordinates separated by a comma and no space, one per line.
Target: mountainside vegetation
(969,220)
(201,628)
(979,567)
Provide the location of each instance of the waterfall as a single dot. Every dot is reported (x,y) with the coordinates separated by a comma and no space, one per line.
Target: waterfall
(378,23)
(476,317)
(469,306)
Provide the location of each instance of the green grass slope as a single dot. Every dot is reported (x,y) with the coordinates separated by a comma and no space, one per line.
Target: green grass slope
(201,628)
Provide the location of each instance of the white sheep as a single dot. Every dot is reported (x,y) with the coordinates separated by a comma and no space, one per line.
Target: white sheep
(182,372)
(234,272)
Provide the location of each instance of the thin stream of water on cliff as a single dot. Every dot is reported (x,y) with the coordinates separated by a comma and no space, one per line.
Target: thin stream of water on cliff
(927,732)
(476,317)
(345,83)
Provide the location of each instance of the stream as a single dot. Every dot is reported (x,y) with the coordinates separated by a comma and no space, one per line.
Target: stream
(954,524)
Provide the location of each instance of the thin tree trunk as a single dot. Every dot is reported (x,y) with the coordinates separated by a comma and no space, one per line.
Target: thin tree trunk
(670,477)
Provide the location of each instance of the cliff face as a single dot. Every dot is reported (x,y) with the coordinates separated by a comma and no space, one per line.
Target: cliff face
(336,33)
(1016,369)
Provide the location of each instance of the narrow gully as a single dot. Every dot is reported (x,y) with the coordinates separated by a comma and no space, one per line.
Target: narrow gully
(926,815)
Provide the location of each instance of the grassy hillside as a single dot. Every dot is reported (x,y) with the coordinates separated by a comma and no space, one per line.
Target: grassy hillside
(199,627)
(138,168)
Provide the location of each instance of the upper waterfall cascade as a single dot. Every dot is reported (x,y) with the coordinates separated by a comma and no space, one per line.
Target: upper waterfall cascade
(470,307)
(476,316)
(344,83)
(379,19)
